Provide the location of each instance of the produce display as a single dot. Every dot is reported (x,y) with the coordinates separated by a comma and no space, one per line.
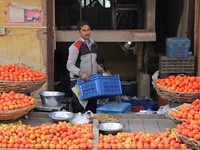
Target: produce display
(183,89)
(64,135)
(21,79)
(187,111)
(13,72)
(12,100)
(180,83)
(141,140)
(190,129)
(189,132)
(55,136)
(14,105)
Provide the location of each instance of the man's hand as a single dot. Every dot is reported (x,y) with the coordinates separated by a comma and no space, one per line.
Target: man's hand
(84,76)
(106,74)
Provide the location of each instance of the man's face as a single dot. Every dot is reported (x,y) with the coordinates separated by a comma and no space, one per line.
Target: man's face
(85,32)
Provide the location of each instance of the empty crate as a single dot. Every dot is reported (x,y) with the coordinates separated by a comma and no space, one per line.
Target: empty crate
(114,108)
(176,65)
(99,86)
(177,47)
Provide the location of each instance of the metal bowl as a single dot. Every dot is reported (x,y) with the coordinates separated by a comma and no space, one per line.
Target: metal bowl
(51,98)
(61,115)
(111,128)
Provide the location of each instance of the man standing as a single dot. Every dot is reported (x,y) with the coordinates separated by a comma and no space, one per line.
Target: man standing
(82,63)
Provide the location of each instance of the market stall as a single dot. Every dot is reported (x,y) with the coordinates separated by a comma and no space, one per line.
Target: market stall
(147,123)
(41,130)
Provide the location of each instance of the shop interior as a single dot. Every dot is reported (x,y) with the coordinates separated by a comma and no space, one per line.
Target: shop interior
(115,15)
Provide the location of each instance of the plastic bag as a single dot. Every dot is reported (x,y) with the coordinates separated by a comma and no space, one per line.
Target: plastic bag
(82,118)
(77,93)
(154,77)
(163,109)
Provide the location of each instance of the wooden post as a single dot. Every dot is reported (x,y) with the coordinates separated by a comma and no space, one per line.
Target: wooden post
(139,55)
(139,65)
(150,14)
(96,133)
(197,36)
(50,45)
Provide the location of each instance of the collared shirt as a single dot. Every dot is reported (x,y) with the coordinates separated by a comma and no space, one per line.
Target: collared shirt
(88,44)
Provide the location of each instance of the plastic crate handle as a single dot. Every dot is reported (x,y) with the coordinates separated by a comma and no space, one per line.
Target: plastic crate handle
(91,77)
(171,44)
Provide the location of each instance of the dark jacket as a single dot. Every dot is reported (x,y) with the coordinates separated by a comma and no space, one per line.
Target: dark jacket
(82,58)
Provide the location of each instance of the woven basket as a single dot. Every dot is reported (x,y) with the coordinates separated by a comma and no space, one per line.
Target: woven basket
(104,118)
(192,143)
(167,114)
(14,114)
(173,96)
(177,120)
(20,86)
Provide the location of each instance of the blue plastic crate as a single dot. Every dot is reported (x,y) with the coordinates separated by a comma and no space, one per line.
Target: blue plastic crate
(99,86)
(114,108)
(147,105)
(177,47)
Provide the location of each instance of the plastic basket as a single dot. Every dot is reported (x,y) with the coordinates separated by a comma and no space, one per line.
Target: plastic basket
(176,65)
(114,108)
(177,47)
(99,86)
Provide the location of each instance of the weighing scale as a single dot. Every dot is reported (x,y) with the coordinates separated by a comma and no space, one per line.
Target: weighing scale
(40,107)
(49,109)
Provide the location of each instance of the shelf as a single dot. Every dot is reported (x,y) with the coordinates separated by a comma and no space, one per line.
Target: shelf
(139,35)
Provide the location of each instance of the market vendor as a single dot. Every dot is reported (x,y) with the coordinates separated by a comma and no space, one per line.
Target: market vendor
(82,63)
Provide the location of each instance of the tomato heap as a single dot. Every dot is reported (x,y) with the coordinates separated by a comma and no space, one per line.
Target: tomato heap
(190,129)
(56,136)
(140,140)
(180,83)
(12,100)
(190,111)
(13,72)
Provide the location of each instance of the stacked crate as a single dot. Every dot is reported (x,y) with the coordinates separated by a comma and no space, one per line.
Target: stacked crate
(177,59)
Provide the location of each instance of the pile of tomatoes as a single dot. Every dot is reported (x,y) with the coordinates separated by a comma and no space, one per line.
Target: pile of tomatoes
(190,129)
(180,83)
(56,136)
(190,111)
(141,140)
(13,72)
(12,100)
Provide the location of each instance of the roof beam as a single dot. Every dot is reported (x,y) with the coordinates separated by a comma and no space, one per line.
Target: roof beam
(143,35)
